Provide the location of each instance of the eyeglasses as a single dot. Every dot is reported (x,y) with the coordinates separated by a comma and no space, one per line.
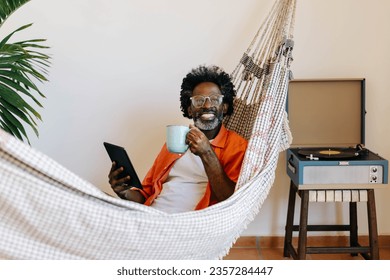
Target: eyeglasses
(198,101)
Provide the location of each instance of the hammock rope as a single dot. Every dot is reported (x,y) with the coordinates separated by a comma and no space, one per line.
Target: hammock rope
(263,74)
(48,212)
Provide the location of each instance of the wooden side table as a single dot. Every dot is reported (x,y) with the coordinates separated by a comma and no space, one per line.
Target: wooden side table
(352,196)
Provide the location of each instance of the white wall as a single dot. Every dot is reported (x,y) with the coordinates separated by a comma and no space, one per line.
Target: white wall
(117,68)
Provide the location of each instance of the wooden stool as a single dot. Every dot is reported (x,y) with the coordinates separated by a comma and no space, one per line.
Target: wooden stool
(368,252)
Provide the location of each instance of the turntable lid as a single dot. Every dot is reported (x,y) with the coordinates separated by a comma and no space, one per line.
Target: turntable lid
(326,112)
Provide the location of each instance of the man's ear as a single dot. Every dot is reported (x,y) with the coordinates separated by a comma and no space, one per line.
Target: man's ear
(189,111)
(225,108)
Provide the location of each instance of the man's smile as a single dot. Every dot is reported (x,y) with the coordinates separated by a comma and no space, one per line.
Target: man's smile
(207,116)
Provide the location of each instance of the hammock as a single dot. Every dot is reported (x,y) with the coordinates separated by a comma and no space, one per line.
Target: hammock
(48,212)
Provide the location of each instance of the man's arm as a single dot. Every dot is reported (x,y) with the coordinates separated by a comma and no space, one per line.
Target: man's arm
(221,185)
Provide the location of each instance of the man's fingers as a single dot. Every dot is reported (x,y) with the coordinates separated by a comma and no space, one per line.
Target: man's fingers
(123,180)
(114,174)
(119,182)
(121,187)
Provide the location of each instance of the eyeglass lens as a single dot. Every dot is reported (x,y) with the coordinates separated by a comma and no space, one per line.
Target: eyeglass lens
(199,100)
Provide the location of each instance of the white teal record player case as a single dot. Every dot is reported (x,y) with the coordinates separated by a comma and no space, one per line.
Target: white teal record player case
(328,162)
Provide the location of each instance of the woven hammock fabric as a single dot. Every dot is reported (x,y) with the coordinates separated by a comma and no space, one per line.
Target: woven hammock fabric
(48,212)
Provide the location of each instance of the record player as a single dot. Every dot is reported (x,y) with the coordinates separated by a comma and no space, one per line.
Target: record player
(327,121)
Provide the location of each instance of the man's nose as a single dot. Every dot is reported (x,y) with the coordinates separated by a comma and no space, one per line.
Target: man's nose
(207,102)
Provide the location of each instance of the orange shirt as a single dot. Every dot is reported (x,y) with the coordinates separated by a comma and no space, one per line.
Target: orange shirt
(229,148)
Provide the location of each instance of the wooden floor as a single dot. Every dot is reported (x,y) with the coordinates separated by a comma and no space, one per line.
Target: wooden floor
(271,248)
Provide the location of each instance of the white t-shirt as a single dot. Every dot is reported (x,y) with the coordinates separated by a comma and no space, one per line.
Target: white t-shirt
(184,186)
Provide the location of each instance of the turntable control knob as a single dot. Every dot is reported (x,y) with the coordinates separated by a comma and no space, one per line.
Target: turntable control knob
(374,178)
(374,169)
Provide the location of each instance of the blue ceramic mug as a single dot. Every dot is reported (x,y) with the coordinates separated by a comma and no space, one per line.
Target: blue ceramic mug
(176,138)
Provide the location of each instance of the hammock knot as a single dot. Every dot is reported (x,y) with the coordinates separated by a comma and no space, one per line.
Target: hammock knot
(290,75)
(288,44)
(250,67)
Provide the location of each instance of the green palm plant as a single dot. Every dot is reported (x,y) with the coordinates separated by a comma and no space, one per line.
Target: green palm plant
(21,66)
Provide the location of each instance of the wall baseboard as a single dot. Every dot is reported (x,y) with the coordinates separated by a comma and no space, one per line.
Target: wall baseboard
(278,241)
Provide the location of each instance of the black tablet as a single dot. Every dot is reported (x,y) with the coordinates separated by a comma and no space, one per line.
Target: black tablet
(119,155)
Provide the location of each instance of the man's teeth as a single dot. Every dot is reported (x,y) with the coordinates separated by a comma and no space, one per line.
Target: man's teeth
(207,116)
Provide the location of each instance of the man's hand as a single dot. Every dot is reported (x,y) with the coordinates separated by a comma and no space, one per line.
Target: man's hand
(197,141)
(120,187)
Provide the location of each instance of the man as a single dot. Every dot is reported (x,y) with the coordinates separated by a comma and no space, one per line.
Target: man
(207,173)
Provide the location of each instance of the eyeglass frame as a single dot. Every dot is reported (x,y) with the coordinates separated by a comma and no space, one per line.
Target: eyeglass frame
(220,100)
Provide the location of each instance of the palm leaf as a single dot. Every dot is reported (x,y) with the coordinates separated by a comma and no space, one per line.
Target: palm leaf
(10,96)
(7,7)
(22,64)
(14,82)
(14,122)
(25,116)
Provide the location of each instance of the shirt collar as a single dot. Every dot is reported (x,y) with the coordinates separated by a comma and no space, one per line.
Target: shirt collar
(220,139)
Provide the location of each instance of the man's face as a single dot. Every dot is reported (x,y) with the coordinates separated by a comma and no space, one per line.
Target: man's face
(207,113)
